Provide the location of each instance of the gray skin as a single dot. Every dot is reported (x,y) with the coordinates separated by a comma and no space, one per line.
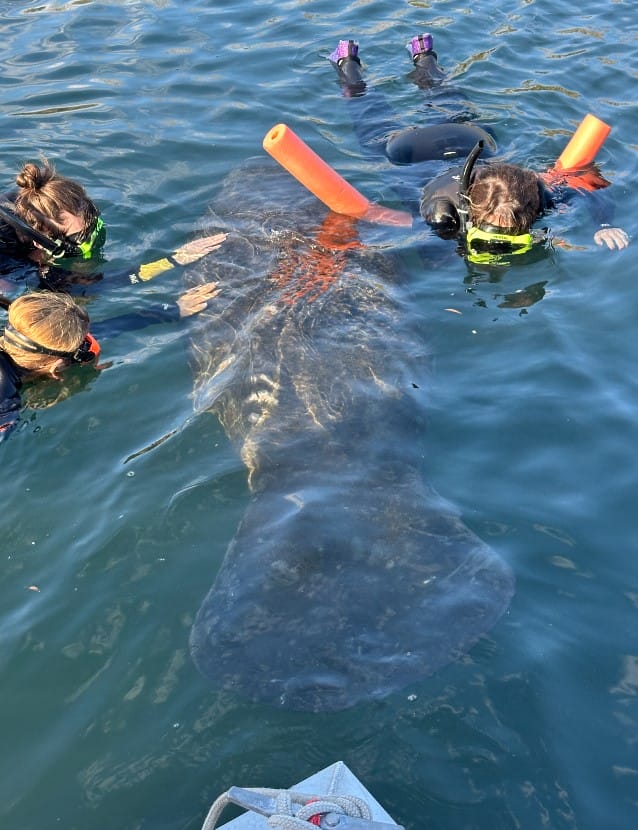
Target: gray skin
(348,578)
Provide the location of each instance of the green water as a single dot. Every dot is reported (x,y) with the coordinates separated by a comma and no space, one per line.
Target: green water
(111,536)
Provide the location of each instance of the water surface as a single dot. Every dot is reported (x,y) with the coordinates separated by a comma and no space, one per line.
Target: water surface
(105,721)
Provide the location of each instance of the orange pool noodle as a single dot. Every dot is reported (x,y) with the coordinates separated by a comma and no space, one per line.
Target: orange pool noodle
(306,166)
(584,144)
(326,184)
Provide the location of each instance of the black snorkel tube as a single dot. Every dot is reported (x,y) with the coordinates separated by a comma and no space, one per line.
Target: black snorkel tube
(55,247)
(464,185)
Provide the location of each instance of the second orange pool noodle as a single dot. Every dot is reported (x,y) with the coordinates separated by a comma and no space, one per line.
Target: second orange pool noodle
(285,146)
(584,144)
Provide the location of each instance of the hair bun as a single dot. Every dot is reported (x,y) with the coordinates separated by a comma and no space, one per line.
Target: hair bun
(32,177)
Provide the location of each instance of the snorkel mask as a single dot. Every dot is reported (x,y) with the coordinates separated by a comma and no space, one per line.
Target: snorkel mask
(90,246)
(488,244)
(58,246)
(87,352)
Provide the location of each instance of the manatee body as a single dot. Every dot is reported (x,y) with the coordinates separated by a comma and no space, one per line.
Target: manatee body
(348,578)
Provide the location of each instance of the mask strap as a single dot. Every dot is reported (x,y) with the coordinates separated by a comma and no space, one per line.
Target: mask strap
(88,351)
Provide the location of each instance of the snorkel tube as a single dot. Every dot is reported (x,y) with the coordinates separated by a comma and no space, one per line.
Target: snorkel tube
(326,184)
(59,246)
(464,186)
(55,247)
(87,352)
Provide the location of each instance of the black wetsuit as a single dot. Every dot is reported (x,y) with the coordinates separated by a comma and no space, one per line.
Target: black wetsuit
(441,200)
(8,240)
(379,133)
(75,277)
(20,274)
(10,400)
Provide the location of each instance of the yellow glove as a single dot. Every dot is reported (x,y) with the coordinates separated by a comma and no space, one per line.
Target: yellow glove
(152,269)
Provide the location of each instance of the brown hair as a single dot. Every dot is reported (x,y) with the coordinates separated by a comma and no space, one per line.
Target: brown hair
(43,193)
(506,196)
(52,320)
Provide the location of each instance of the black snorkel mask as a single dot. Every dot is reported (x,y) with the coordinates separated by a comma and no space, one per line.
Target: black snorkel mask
(87,352)
(58,246)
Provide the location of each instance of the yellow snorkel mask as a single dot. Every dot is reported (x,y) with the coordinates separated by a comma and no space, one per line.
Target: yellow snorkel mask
(517,243)
(484,246)
(489,245)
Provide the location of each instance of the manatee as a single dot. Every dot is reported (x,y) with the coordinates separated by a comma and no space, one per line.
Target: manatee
(348,578)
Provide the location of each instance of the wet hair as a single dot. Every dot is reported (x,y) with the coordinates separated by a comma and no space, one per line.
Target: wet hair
(52,320)
(43,194)
(506,196)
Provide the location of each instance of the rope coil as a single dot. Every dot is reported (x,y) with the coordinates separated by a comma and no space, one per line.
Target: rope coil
(293,810)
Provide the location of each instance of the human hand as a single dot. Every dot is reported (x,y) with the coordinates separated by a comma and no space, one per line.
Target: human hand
(195,299)
(611,237)
(197,248)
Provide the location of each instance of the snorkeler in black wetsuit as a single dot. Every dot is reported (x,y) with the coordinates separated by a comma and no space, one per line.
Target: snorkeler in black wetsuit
(30,346)
(44,333)
(49,223)
(490,207)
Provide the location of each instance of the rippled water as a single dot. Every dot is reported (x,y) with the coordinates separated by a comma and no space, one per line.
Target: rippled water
(104,720)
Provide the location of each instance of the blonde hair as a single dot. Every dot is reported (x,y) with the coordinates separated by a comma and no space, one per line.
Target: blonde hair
(54,321)
(506,196)
(43,194)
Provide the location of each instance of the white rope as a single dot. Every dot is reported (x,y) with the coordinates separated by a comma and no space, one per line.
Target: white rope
(286,817)
(216,809)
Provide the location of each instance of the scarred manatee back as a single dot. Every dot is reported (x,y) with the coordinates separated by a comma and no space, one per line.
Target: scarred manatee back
(348,577)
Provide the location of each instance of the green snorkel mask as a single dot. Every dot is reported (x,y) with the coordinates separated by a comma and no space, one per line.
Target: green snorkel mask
(92,244)
(62,246)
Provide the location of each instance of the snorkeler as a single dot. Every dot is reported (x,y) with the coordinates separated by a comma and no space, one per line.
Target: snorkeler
(47,331)
(44,333)
(50,220)
(489,206)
